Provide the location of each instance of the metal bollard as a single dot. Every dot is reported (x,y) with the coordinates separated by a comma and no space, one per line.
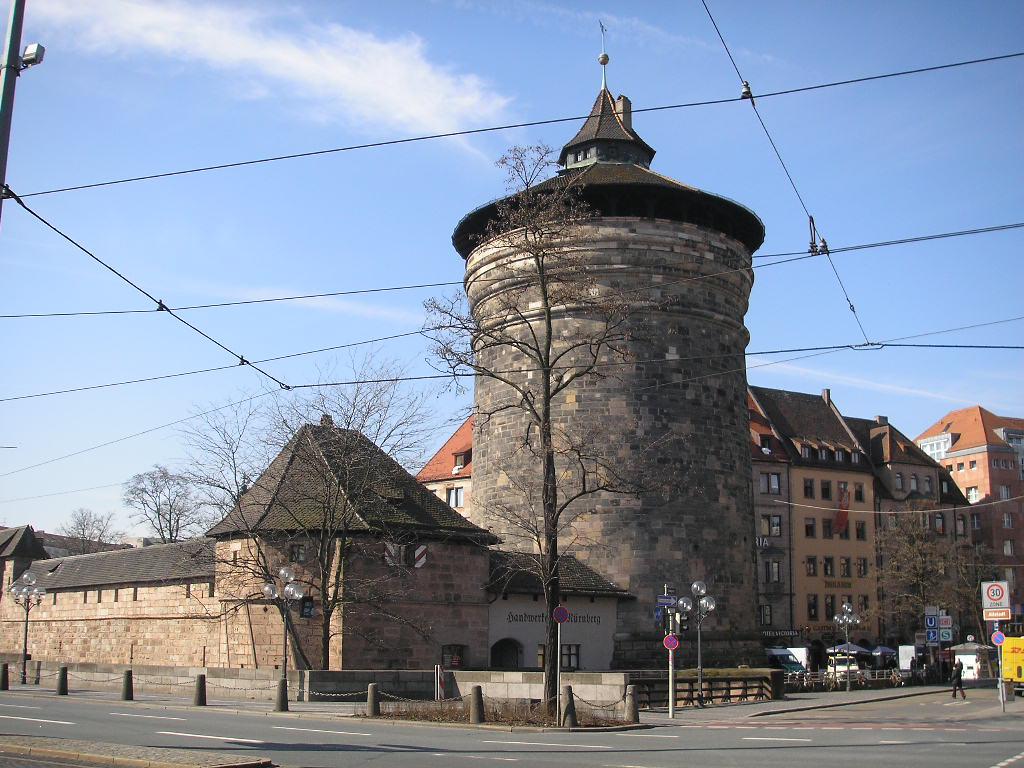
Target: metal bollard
(5,677)
(632,714)
(199,699)
(476,705)
(62,681)
(568,708)
(372,702)
(127,686)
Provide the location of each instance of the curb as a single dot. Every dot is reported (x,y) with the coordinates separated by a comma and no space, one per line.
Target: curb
(126,762)
(833,705)
(507,728)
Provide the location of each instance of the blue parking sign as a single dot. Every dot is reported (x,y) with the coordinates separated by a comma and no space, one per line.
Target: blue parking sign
(931,622)
(932,635)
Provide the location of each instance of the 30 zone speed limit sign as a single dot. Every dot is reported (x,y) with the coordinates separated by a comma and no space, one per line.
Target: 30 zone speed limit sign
(994,594)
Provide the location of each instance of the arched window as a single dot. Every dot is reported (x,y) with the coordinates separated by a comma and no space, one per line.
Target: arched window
(899,481)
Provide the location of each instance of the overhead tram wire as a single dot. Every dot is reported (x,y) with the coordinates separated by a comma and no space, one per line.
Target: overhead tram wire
(159,302)
(150,430)
(797,256)
(509,126)
(814,247)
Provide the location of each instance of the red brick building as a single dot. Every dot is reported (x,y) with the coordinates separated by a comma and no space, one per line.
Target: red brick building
(984,454)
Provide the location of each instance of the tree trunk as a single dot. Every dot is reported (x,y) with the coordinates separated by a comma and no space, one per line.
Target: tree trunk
(549,569)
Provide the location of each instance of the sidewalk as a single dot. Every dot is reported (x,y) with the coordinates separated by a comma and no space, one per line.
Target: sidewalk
(101,753)
(793,703)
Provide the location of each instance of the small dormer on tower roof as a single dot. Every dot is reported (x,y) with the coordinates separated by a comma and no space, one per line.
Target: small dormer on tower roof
(607,136)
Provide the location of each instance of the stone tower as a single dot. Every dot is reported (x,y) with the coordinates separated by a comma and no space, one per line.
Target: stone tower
(688,383)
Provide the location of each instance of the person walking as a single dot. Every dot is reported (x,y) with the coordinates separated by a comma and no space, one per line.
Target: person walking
(958,679)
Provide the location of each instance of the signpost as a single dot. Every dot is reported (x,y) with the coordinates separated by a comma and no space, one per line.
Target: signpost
(995,603)
(667,602)
(560,615)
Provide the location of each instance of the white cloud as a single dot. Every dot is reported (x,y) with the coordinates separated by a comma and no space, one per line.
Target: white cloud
(339,72)
(831,378)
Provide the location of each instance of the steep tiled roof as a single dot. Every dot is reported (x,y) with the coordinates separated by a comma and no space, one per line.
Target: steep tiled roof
(442,463)
(20,542)
(301,484)
(888,444)
(806,419)
(604,124)
(159,563)
(58,541)
(761,428)
(971,427)
(517,573)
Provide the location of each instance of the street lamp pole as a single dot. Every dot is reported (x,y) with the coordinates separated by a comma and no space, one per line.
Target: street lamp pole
(290,591)
(28,596)
(846,618)
(703,607)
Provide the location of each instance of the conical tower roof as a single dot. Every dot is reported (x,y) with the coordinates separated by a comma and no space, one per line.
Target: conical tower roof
(608,127)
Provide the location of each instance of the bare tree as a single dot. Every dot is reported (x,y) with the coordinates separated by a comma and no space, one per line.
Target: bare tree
(163,501)
(920,566)
(325,500)
(89,531)
(543,323)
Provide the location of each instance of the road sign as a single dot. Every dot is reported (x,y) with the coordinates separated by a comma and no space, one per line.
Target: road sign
(996,614)
(998,638)
(932,636)
(995,594)
(659,613)
(666,600)
(931,622)
(560,614)
(931,610)
(945,622)
(946,635)
(671,642)
(970,638)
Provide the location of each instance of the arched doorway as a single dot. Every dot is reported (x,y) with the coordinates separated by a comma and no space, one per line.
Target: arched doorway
(506,654)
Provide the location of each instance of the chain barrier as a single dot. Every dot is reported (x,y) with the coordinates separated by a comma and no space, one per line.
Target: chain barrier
(595,705)
(337,695)
(395,697)
(93,679)
(210,684)
(151,681)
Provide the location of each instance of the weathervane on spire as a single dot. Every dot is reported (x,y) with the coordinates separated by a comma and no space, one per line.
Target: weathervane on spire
(603,58)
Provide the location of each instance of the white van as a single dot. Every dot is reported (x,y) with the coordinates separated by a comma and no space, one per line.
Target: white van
(783,658)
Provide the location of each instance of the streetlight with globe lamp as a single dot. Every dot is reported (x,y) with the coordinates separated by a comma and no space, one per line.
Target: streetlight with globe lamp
(845,619)
(290,592)
(28,596)
(702,609)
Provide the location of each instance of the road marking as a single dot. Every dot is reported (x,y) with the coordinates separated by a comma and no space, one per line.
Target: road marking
(649,735)
(36,720)
(1009,760)
(894,742)
(148,717)
(318,730)
(204,736)
(491,757)
(771,738)
(20,706)
(548,744)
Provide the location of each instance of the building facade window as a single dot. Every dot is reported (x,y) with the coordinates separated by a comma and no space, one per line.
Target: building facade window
(812,565)
(297,553)
(570,657)
(959,466)
(844,567)
(770,482)
(826,490)
(973,464)
(858,491)
(772,571)
(862,530)
(844,532)
(455,497)
(805,451)
(855,457)
(840,454)
(1007,519)
(972,494)
(830,606)
(975,521)
(928,484)
(828,566)
(812,607)
(961,526)
(913,482)
(826,529)
(940,523)
(1008,547)
(899,481)
(862,603)
(810,527)
(808,488)
(766,615)
(823,454)
(1004,492)
(862,566)
(771,525)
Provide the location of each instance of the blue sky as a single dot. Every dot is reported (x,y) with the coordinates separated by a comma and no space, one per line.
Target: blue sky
(139,86)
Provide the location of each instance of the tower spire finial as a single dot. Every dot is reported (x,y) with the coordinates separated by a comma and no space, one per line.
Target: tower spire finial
(603,58)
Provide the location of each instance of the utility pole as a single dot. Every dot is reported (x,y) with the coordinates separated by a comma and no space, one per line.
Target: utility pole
(10,68)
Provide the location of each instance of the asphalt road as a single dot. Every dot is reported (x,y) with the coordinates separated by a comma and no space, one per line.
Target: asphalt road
(930,731)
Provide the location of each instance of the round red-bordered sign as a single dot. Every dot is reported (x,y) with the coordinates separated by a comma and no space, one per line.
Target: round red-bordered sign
(998,638)
(560,614)
(671,642)
(995,592)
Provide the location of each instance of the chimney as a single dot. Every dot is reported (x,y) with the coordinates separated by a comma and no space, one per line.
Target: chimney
(624,109)
(326,420)
(826,395)
(883,420)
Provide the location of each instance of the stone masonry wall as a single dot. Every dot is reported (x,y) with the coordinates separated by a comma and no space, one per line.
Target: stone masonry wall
(679,409)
